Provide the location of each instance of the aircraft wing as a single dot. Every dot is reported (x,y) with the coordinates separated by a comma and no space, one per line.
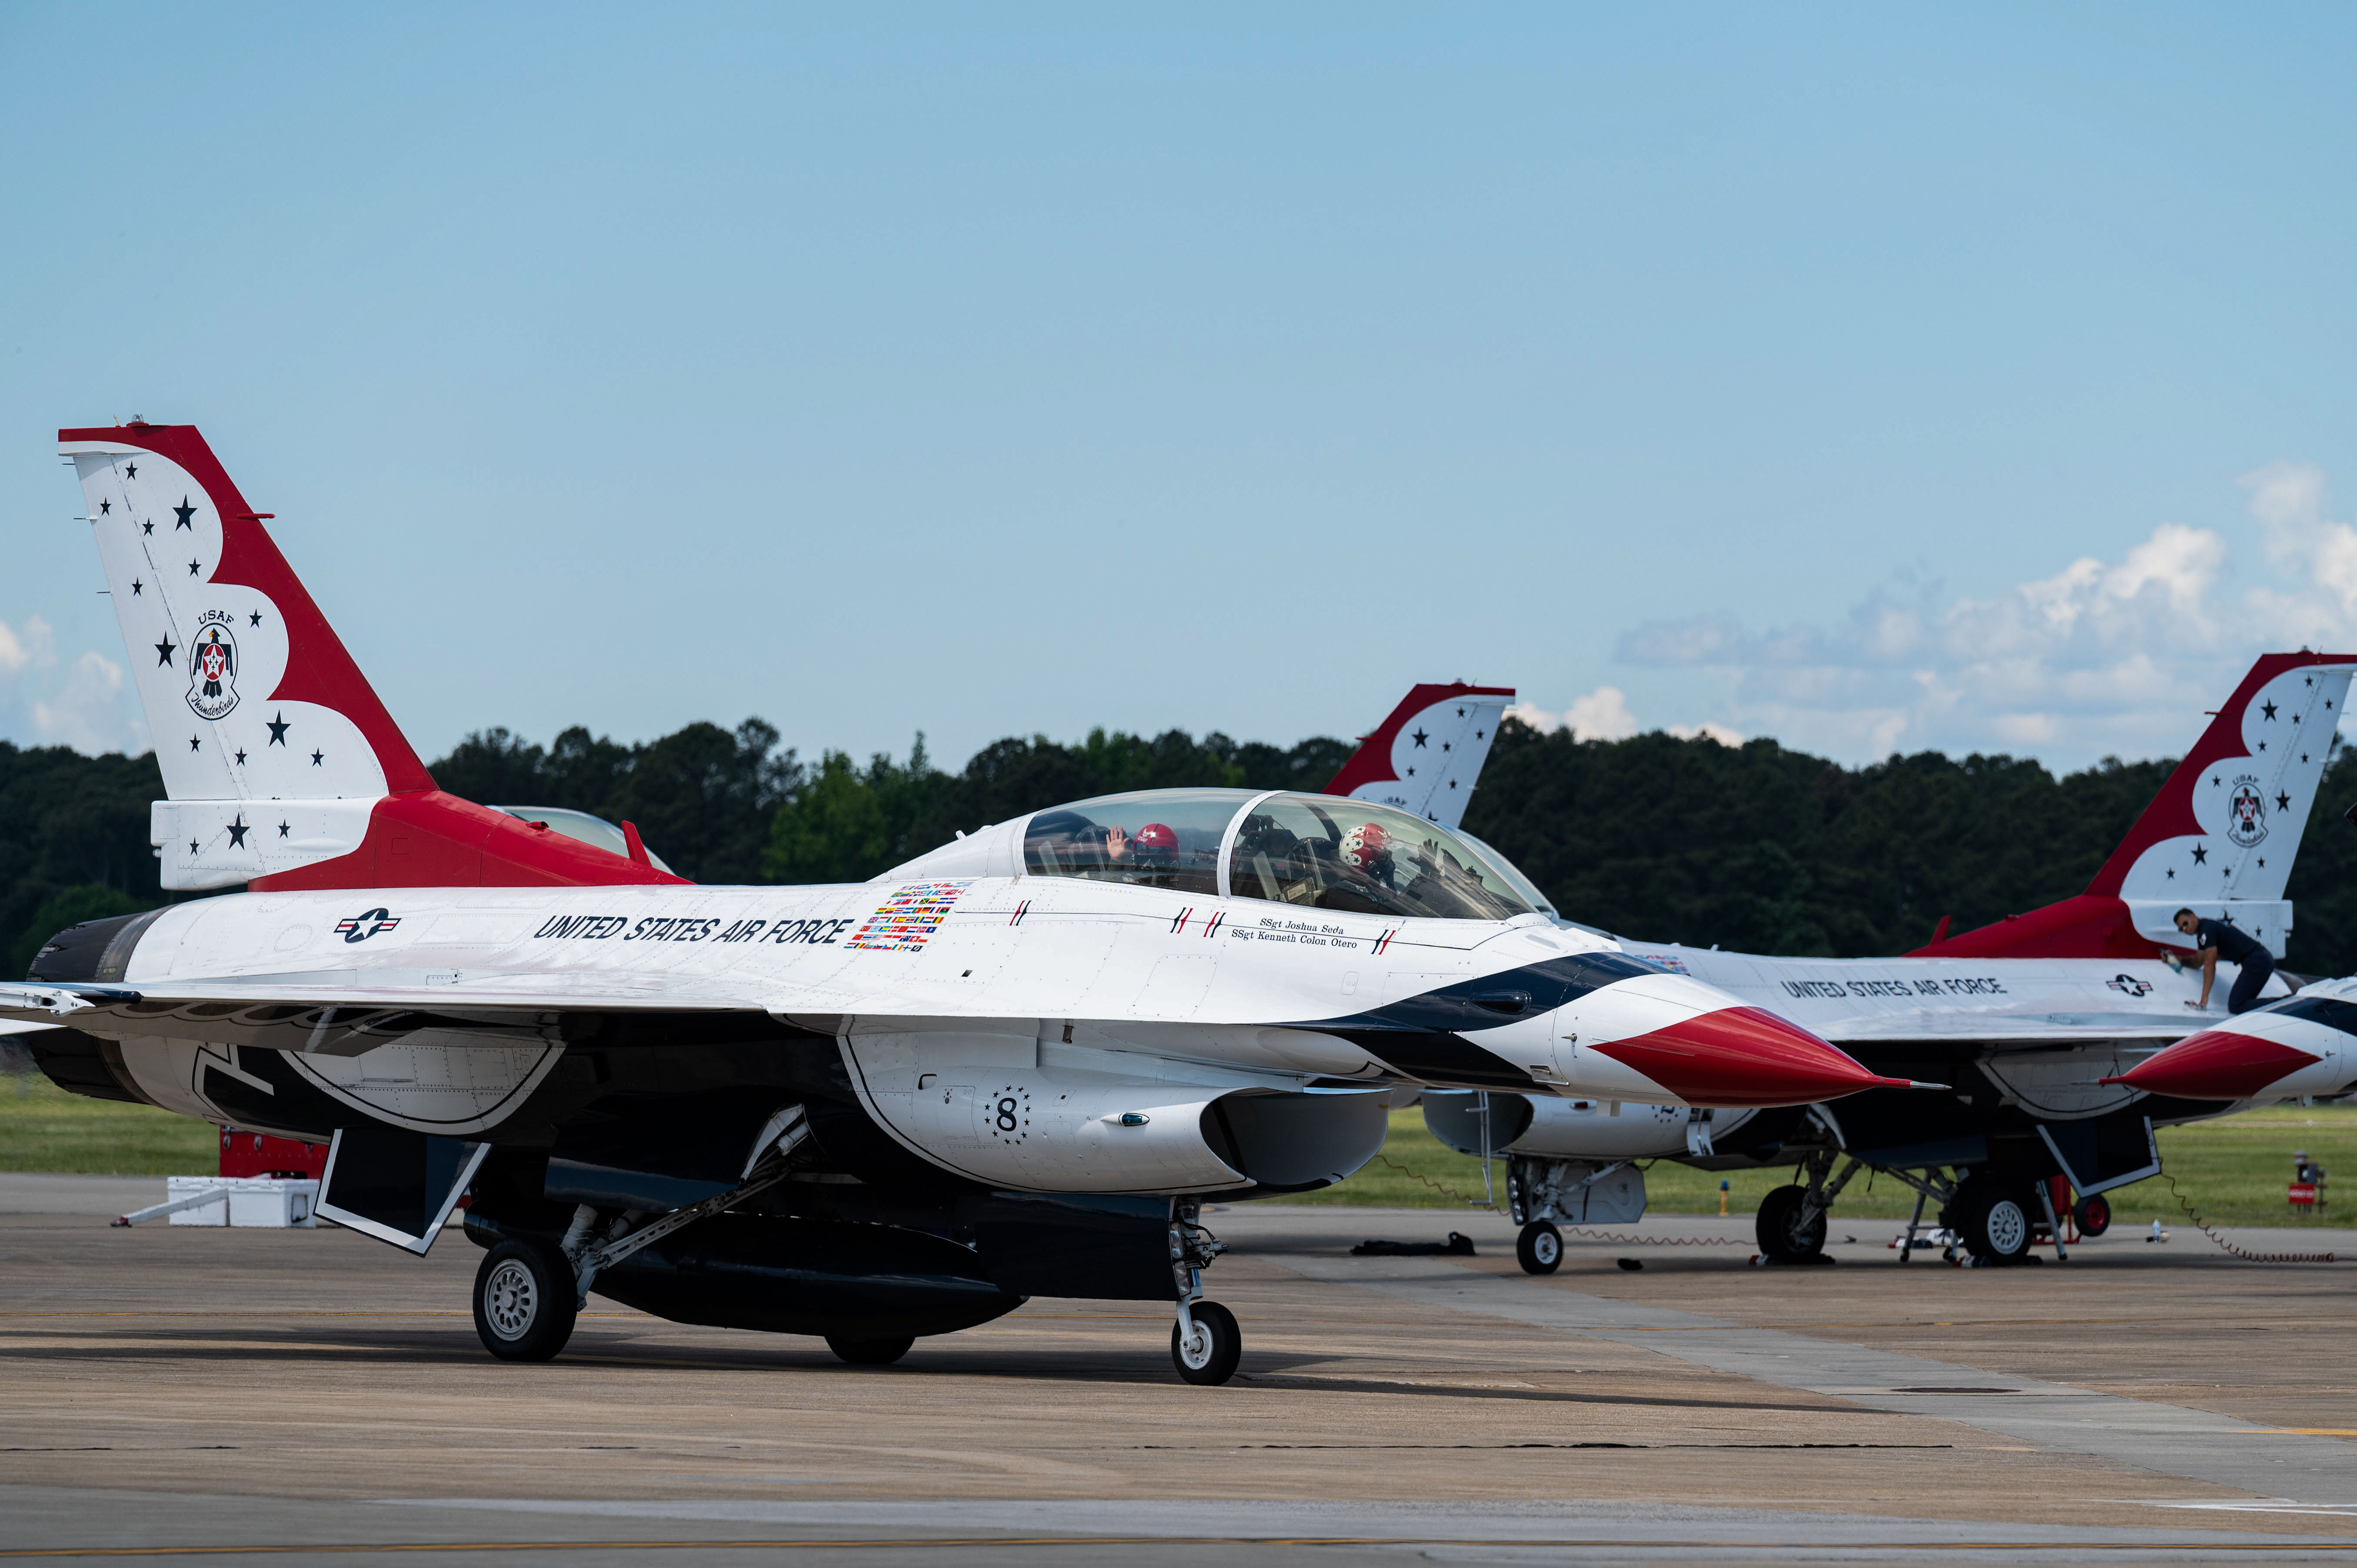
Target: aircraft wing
(2002,1032)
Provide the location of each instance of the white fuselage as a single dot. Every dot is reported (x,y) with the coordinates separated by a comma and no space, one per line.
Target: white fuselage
(1066,1003)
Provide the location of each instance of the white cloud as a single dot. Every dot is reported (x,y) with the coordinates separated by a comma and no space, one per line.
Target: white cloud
(88,713)
(1602,715)
(23,651)
(88,706)
(2100,656)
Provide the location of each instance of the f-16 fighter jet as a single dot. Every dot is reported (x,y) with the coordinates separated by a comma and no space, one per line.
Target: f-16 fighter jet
(1015,1066)
(2291,1049)
(2035,1021)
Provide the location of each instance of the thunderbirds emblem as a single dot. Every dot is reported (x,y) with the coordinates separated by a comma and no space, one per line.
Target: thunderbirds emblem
(2246,813)
(212,667)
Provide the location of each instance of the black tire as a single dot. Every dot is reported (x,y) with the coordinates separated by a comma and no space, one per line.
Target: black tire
(1539,1248)
(1782,1238)
(524,1299)
(2094,1215)
(869,1352)
(1219,1345)
(1995,1223)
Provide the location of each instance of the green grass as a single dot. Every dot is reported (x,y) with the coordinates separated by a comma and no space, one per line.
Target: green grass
(43,1128)
(2232,1170)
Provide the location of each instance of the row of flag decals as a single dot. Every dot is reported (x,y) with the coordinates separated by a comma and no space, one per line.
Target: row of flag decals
(908,918)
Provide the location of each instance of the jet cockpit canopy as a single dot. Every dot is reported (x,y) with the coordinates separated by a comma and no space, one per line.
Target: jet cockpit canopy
(1320,852)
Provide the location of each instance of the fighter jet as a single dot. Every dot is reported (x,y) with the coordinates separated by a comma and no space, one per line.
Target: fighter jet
(2294,1049)
(1015,1066)
(2037,1022)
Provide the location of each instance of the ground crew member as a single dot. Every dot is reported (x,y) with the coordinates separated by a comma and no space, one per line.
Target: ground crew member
(2217,939)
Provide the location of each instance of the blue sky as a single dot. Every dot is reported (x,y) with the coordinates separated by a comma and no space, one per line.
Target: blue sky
(1868,377)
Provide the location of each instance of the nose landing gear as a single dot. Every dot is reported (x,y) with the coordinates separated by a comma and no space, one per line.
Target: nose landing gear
(1205,1343)
(1539,1248)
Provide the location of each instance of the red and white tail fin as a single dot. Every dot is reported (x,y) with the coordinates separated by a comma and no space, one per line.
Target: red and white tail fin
(282,766)
(1426,757)
(2219,839)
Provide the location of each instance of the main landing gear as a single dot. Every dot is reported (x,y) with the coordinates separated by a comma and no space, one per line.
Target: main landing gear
(869,1352)
(1791,1225)
(525,1300)
(1205,1343)
(529,1291)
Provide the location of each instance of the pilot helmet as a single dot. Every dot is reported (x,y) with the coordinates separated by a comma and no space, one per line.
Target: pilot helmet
(1367,848)
(1156,841)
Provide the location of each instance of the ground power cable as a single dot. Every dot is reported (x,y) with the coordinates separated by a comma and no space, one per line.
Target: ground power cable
(2243,1252)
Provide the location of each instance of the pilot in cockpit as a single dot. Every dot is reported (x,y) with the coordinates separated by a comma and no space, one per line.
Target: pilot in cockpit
(1076,846)
(1154,845)
(1367,850)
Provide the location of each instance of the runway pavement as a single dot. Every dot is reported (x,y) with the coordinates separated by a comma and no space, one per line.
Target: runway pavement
(177,1389)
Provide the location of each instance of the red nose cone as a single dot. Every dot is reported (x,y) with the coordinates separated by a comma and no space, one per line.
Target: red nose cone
(1743,1055)
(2216,1064)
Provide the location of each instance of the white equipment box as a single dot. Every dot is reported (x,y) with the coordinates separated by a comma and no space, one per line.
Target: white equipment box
(266,1202)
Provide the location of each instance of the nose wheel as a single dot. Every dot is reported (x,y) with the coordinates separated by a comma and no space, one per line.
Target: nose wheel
(1205,1343)
(1539,1248)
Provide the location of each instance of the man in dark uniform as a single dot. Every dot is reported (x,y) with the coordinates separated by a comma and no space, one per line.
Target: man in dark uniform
(2217,939)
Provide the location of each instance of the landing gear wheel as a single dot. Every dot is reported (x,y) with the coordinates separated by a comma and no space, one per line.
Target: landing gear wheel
(869,1352)
(1994,1224)
(1209,1357)
(2095,1215)
(1782,1238)
(524,1299)
(1539,1249)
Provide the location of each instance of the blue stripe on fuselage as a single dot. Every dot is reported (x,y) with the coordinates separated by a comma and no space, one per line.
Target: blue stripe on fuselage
(1499,999)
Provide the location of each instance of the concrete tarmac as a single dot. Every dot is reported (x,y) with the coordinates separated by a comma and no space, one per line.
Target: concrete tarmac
(250,1395)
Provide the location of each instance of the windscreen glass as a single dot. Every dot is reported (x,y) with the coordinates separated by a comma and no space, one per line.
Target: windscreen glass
(590,830)
(1509,873)
(1330,853)
(1155,838)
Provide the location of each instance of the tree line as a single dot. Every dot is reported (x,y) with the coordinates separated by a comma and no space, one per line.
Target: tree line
(1757,847)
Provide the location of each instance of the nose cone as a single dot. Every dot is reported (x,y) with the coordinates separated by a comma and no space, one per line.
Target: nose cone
(2218,1063)
(1742,1057)
(1707,1051)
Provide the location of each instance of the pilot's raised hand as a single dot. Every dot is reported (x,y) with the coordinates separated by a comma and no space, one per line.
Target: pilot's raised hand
(1116,844)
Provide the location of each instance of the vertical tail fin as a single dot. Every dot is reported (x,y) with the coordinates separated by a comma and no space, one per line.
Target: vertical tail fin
(2219,839)
(1426,757)
(281,765)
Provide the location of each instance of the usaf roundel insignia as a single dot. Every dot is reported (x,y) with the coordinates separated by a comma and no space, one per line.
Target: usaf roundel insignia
(212,667)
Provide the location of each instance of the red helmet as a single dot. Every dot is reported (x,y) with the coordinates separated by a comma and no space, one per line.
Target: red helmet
(1156,841)
(1366,847)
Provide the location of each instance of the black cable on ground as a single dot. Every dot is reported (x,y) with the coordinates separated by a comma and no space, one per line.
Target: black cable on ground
(2243,1252)
(1440,1187)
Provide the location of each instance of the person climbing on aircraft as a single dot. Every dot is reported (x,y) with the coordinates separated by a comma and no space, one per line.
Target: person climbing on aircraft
(2218,939)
